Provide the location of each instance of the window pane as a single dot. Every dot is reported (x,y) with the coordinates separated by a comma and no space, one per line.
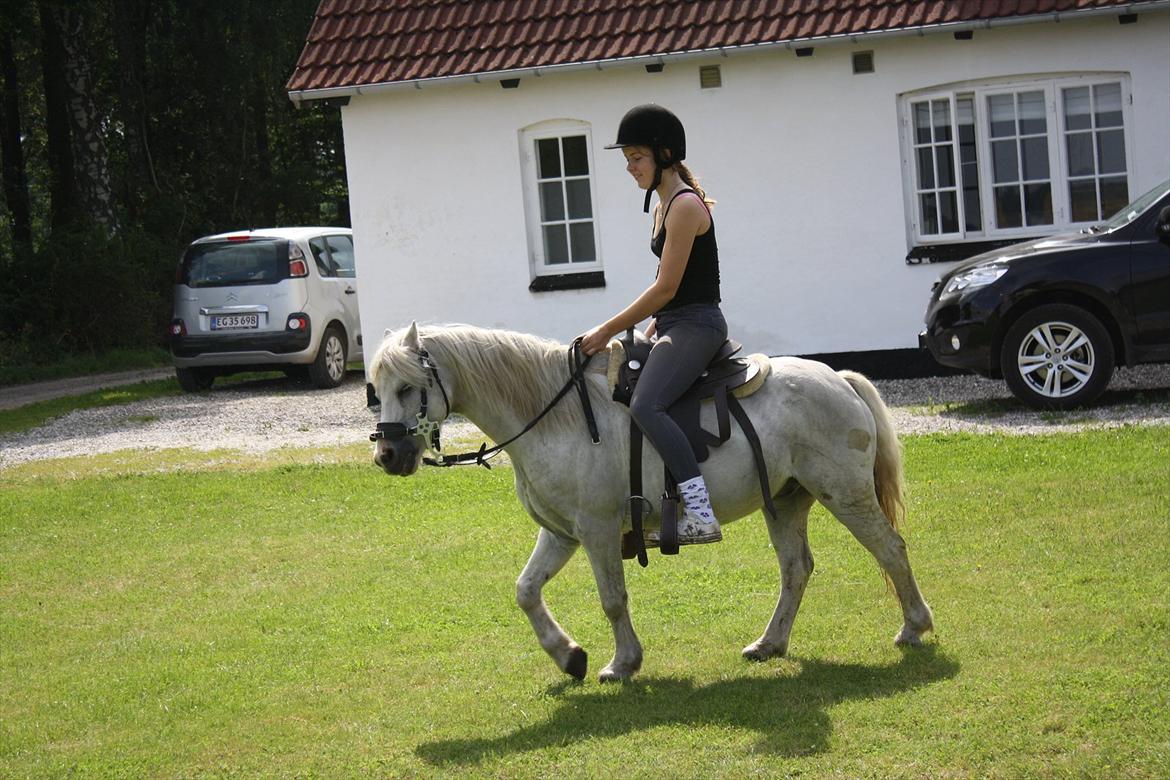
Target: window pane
(922,123)
(926,204)
(972,210)
(1083,197)
(576,160)
(556,247)
(925,169)
(1003,161)
(1108,99)
(1032,115)
(548,158)
(942,120)
(1111,152)
(580,206)
(341,250)
(1002,109)
(552,201)
(1076,109)
(946,165)
(1035,158)
(1080,154)
(581,234)
(1007,207)
(949,211)
(1038,203)
(1114,195)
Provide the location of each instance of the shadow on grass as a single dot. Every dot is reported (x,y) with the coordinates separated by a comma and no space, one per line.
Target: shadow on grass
(790,713)
(996,407)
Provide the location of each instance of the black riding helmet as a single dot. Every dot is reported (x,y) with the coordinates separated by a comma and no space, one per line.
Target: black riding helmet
(658,128)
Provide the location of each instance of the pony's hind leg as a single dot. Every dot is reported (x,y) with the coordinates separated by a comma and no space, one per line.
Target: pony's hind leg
(549,557)
(789,534)
(865,520)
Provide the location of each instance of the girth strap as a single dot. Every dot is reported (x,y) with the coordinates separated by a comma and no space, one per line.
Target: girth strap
(634,543)
(749,430)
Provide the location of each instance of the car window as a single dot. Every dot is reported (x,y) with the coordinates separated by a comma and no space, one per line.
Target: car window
(226,263)
(341,250)
(321,256)
(1134,209)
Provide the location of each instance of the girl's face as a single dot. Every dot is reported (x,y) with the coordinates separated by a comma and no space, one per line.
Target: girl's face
(640,164)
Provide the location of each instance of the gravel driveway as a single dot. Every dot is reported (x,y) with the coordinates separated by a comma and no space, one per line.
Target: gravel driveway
(263,415)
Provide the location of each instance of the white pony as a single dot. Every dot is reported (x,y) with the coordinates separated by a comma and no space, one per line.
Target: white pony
(826,436)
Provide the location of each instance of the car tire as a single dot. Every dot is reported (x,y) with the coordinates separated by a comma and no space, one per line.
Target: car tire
(195,380)
(1040,368)
(328,370)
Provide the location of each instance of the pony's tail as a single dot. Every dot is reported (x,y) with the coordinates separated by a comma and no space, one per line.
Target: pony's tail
(887,466)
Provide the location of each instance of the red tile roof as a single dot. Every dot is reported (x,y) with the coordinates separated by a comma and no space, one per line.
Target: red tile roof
(363,42)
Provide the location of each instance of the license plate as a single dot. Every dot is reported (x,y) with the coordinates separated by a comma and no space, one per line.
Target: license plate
(235,321)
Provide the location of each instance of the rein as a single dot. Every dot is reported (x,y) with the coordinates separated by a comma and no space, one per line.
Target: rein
(429,429)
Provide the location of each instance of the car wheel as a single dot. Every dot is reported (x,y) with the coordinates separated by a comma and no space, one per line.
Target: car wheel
(329,368)
(1057,357)
(194,380)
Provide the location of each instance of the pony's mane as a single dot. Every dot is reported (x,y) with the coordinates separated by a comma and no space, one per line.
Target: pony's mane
(504,369)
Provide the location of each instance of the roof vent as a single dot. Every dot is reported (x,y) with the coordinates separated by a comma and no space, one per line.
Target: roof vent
(710,77)
(1127,19)
(509,83)
(863,62)
(654,67)
(804,51)
(964,35)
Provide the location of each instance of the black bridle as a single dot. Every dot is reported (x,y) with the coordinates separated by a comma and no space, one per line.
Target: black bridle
(429,429)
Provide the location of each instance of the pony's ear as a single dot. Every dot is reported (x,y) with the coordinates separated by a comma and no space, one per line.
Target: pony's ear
(410,340)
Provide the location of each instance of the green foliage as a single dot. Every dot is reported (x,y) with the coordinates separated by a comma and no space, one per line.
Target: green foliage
(194,615)
(201,138)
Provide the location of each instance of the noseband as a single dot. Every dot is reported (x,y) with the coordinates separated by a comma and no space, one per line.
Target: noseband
(423,425)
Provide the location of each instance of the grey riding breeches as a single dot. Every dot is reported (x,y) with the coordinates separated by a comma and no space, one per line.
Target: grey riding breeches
(688,337)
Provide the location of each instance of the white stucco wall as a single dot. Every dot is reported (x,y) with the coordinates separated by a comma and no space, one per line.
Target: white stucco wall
(802,156)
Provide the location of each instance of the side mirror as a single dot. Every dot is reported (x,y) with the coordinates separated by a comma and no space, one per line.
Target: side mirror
(1162,228)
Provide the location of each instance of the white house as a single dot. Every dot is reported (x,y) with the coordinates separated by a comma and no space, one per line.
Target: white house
(852,145)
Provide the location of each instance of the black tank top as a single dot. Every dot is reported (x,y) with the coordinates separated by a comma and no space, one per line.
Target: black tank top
(700,280)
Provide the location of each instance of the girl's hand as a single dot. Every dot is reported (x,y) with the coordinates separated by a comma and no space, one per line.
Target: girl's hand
(595,341)
(652,329)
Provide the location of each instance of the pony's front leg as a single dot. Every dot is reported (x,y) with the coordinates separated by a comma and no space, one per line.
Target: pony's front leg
(604,548)
(549,557)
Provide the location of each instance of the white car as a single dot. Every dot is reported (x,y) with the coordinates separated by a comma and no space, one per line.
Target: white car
(279,298)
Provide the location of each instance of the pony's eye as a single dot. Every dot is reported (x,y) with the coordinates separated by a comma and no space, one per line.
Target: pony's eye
(404,392)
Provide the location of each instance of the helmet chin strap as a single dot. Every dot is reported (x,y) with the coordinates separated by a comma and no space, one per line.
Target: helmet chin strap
(653,186)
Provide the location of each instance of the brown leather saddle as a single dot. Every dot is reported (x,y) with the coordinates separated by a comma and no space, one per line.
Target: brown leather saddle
(726,379)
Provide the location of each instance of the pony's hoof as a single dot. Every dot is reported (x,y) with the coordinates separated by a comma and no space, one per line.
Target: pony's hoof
(908,637)
(578,663)
(762,651)
(609,674)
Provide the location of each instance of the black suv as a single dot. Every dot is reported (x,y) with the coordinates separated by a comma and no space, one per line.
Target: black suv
(1052,317)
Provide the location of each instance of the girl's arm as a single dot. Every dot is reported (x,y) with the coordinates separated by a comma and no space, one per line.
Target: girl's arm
(686,220)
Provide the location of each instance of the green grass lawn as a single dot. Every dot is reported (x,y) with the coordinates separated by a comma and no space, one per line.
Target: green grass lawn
(278,619)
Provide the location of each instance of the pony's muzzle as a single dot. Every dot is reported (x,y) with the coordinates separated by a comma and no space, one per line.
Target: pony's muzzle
(400,457)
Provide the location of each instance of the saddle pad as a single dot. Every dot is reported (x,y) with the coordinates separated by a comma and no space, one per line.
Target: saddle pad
(758,374)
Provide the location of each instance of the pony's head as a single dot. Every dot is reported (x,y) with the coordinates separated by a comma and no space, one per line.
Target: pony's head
(415,396)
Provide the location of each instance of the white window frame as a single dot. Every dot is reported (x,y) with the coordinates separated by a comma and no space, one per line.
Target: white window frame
(529,136)
(1051,86)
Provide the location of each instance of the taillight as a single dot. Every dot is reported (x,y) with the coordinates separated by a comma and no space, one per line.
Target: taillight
(297,267)
(297,322)
(178,328)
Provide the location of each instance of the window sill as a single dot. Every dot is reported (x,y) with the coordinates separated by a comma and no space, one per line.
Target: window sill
(578,281)
(950,253)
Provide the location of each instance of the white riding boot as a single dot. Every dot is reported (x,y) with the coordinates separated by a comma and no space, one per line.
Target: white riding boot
(697,524)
